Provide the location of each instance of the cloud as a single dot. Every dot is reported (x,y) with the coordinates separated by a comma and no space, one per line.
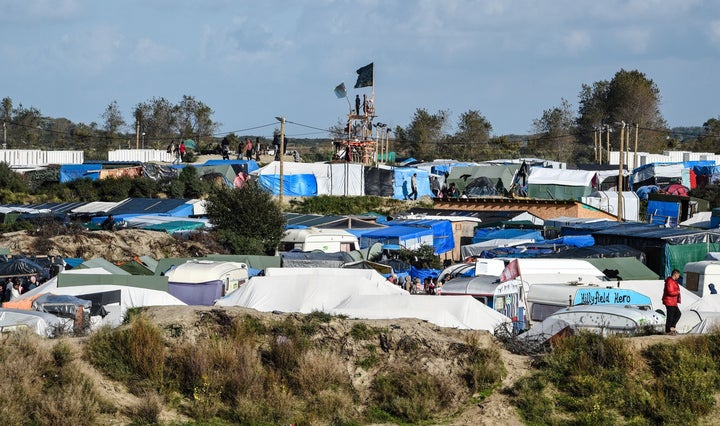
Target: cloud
(147,51)
(577,41)
(88,50)
(714,32)
(38,10)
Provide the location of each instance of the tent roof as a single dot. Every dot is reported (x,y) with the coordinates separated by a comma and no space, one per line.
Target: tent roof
(148,205)
(629,268)
(398,231)
(104,264)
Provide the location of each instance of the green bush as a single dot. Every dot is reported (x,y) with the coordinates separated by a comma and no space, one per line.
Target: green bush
(133,354)
(246,220)
(411,395)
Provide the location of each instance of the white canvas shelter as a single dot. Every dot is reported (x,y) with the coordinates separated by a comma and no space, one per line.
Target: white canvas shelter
(130,297)
(98,207)
(40,323)
(332,273)
(543,176)
(463,312)
(306,293)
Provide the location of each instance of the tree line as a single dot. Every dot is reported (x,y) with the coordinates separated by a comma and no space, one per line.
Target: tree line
(562,133)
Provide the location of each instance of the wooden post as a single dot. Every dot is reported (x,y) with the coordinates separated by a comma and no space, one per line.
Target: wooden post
(620,175)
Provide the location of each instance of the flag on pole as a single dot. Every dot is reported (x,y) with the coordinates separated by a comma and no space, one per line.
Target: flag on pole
(365,76)
(511,271)
(340,90)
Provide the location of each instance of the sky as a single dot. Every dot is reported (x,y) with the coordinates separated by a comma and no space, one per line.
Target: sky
(251,61)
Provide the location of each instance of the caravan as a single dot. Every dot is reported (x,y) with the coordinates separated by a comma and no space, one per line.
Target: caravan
(201,282)
(325,240)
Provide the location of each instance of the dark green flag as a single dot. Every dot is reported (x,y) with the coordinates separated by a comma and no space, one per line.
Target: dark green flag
(365,76)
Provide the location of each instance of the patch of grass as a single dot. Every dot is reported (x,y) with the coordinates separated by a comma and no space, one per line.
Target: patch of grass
(148,409)
(412,395)
(135,353)
(484,369)
(361,331)
(529,394)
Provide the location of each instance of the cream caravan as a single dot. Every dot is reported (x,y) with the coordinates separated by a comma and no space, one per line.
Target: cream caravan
(325,240)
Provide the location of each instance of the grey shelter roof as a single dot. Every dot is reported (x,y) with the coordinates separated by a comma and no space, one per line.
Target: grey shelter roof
(148,205)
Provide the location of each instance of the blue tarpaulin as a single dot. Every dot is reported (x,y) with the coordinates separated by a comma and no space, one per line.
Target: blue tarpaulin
(406,236)
(402,185)
(251,164)
(299,185)
(573,241)
(487,234)
(71,172)
(443,239)
(424,273)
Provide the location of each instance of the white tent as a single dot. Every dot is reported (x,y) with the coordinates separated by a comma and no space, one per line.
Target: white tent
(477,248)
(41,323)
(305,293)
(332,273)
(347,179)
(130,297)
(462,312)
(543,176)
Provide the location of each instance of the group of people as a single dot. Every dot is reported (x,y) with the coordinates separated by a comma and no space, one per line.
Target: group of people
(438,190)
(429,285)
(177,151)
(368,107)
(15,286)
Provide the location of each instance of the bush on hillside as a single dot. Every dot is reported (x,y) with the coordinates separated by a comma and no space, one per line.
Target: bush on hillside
(246,220)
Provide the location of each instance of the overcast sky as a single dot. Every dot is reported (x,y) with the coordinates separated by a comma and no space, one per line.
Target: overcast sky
(253,60)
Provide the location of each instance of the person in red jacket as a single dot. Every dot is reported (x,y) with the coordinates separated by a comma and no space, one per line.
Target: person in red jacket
(671,299)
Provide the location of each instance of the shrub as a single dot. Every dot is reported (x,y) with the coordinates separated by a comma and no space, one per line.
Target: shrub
(133,354)
(147,410)
(412,395)
(250,214)
(529,394)
(484,369)
(361,331)
(319,370)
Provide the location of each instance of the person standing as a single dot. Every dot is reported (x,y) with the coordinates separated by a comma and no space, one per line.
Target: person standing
(413,187)
(671,299)
(357,104)
(181,150)
(248,149)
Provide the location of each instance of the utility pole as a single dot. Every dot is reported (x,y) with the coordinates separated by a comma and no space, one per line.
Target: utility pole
(620,175)
(4,135)
(607,136)
(637,126)
(595,144)
(137,135)
(282,150)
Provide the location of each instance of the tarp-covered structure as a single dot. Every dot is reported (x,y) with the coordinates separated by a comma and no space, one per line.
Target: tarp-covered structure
(443,238)
(666,248)
(660,174)
(409,237)
(483,180)
(41,323)
(314,259)
(560,184)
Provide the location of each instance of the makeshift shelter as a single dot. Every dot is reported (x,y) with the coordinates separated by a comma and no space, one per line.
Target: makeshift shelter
(402,177)
(306,293)
(299,179)
(114,293)
(21,267)
(497,176)
(666,248)
(71,172)
(379,181)
(41,323)
(660,174)
(560,184)
(406,236)
(462,312)
(443,239)
(607,201)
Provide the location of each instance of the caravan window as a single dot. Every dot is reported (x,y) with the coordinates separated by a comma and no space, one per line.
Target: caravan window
(286,246)
(346,247)
(692,281)
(482,299)
(541,311)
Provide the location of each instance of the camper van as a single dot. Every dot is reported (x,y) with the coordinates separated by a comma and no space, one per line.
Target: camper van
(325,240)
(201,282)
(543,300)
(699,276)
